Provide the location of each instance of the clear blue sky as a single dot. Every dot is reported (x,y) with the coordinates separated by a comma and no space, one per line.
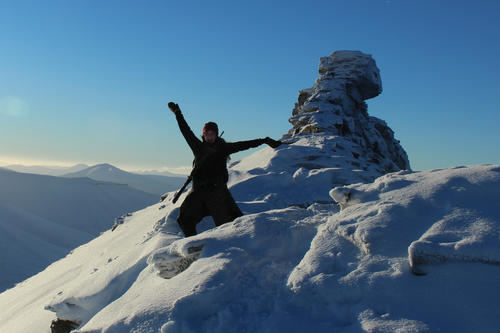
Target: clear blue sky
(88,81)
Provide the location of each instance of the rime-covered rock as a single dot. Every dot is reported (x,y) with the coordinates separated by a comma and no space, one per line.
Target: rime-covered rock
(336,106)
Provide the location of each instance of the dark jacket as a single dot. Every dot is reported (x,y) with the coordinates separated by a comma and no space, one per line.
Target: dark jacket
(210,159)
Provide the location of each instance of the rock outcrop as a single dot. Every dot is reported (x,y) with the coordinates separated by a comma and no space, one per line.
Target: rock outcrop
(336,105)
(63,326)
(333,141)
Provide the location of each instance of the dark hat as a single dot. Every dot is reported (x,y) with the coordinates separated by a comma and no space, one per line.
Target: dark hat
(211,126)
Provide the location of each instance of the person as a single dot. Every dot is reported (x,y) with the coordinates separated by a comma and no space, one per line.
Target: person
(209,195)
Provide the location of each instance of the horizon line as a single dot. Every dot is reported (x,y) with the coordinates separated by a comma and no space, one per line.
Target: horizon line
(6,162)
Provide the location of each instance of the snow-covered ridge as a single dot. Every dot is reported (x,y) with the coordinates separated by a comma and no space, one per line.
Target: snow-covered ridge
(328,243)
(291,269)
(43,217)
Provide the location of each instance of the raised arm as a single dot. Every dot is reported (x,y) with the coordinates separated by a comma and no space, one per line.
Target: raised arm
(193,142)
(234,147)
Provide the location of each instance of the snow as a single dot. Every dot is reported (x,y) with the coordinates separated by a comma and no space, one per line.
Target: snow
(43,217)
(336,105)
(343,63)
(28,247)
(301,173)
(297,261)
(154,184)
(330,240)
(447,204)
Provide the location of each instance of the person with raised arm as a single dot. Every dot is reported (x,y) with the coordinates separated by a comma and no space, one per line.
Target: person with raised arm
(209,195)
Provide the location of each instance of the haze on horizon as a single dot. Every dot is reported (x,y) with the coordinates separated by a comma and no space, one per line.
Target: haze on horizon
(54,165)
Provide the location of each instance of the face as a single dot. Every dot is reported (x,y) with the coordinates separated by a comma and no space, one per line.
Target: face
(210,136)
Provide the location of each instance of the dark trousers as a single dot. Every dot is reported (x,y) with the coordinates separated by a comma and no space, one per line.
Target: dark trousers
(215,201)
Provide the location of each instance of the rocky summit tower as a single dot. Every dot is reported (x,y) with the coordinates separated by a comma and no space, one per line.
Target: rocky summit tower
(333,141)
(336,106)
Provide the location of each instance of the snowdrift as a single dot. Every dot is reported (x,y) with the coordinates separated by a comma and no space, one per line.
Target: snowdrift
(306,267)
(455,207)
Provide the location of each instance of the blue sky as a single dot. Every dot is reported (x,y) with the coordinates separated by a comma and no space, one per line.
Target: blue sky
(88,81)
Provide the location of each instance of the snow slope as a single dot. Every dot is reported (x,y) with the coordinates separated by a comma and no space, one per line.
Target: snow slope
(44,217)
(304,267)
(154,184)
(28,243)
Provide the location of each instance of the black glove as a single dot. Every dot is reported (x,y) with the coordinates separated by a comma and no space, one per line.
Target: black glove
(272,143)
(174,107)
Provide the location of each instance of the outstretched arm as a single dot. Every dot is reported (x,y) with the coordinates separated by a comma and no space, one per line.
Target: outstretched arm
(188,134)
(234,147)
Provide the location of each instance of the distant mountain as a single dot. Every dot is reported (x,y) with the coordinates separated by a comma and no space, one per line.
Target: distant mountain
(49,170)
(44,217)
(159,173)
(154,184)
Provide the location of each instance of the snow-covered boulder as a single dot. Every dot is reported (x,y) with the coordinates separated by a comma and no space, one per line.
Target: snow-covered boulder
(356,69)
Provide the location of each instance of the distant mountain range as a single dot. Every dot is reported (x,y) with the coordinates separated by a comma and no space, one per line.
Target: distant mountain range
(49,170)
(159,173)
(150,181)
(155,184)
(43,217)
